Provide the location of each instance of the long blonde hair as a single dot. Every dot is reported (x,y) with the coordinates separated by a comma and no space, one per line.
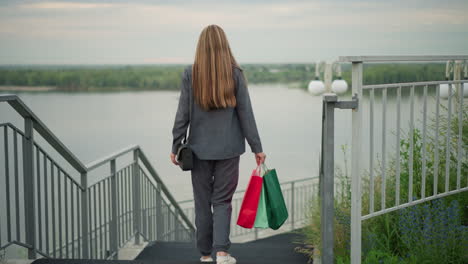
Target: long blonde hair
(213,70)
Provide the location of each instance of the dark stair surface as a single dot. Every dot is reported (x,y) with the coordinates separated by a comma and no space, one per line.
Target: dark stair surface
(271,250)
(274,249)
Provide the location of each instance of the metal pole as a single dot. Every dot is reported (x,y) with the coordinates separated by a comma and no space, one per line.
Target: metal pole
(28,173)
(114,235)
(159,217)
(327,193)
(84,215)
(292,206)
(136,198)
(459,87)
(176,226)
(327,174)
(355,170)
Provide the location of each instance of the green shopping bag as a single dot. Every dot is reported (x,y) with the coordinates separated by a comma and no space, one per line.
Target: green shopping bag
(277,212)
(261,219)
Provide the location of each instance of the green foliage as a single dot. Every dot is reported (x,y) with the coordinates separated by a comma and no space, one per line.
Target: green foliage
(341,221)
(94,77)
(384,233)
(431,232)
(168,77)
(279,73)
(399,72)
(377,256)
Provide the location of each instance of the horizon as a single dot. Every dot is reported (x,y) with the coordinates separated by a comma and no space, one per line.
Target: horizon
(243,63)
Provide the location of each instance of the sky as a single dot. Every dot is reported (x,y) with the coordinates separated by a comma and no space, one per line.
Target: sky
(259,31)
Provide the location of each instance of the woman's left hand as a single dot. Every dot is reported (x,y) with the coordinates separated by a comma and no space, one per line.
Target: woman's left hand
(173,159)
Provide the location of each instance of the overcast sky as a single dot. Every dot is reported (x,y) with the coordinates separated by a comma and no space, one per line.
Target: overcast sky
(141,32)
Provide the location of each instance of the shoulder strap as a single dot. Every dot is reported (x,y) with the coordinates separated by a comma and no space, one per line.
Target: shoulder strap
(187,134)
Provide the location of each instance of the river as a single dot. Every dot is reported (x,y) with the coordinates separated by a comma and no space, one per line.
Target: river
(93,125)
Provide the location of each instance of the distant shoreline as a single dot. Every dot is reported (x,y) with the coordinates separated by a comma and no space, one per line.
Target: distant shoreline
(13,88)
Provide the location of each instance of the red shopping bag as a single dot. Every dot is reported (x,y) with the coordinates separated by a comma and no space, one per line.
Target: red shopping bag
(249,205)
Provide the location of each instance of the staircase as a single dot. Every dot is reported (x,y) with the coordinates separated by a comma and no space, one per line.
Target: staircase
(58,207)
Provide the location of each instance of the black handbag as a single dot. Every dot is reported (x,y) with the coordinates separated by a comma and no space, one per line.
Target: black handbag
(184,152)
(185,157)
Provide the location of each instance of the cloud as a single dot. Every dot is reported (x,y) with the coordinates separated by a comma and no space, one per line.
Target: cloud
(144,16)
(64,5)
(166,31)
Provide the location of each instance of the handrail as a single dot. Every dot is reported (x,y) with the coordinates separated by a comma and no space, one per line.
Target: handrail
(42,129)
(401,58)
(22,109)
(396,85)
(94,164)
(60,168)
(281,183)
(154,174)
(299,180)
(14,101)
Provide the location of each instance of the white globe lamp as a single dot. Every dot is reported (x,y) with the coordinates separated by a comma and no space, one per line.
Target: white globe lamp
(339,86)
(444,90)
(316,87)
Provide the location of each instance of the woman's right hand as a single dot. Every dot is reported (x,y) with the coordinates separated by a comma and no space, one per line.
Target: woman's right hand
(260,158)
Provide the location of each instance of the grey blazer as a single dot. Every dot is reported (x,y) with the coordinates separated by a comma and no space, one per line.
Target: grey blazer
(216,134)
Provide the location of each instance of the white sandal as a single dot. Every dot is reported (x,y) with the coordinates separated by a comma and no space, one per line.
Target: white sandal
(210,259)
(226,260)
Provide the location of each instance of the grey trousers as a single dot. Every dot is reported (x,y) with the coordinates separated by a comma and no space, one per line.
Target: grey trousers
(214,183)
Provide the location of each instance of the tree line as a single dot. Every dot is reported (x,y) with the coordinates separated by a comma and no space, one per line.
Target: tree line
(168,77)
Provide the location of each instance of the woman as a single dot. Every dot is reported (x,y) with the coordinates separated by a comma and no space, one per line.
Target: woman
(221,118)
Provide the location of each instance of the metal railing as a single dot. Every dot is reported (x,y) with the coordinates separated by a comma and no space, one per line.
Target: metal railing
(51,213)
(384,187)
(298,195)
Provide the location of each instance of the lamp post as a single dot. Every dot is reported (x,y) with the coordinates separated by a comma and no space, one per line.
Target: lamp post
(318,87)
(454,67)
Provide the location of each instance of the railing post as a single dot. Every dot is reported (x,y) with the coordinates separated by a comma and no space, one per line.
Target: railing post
(28,180)
(176,225)
(84,216)
(355,170)
(292,206)
(114,235)
(159,217)
(327,178)
(136,198)
(327,173)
